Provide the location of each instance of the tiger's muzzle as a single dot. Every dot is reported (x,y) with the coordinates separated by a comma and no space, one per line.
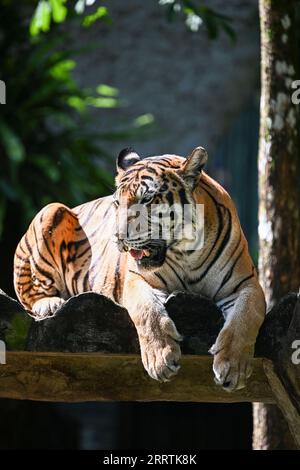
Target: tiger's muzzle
(149,255)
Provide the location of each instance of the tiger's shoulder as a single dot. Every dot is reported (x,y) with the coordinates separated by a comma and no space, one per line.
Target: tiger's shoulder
(96,216)
(209,189)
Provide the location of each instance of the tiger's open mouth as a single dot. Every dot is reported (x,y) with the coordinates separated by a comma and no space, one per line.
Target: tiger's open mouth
(139,254)
(151,256)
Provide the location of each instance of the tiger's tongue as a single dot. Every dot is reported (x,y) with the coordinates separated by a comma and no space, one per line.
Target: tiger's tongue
(136,254)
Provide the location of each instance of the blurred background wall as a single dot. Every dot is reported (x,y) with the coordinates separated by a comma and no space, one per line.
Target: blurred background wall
(194,87)
(194,91)
(198,91)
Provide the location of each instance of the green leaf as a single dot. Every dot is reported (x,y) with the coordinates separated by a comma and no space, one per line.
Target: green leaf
(77,102)
(8,190)
(61,70)
(59,11)
(102,102)
(229,31)
(16,335)
(212,27)
(144,120)
(51,170)
(12,144)
(107,90)
(41,19)
(101,12)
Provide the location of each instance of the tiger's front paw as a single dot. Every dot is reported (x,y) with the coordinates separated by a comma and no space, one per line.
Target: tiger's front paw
(160,350)
(46,307)
(232,361)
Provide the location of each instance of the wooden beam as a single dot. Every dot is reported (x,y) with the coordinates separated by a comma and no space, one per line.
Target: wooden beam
(61,362)
(284,401)
(81,377)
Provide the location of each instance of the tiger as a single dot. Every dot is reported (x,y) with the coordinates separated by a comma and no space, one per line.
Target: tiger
(66,252)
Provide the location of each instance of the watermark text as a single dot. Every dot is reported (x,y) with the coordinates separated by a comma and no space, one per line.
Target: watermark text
(2,352)
(2,92)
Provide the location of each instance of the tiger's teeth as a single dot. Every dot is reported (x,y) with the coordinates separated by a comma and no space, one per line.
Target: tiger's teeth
(146,253)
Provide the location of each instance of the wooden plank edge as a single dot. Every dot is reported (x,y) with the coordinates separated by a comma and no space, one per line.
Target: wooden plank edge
(86,377)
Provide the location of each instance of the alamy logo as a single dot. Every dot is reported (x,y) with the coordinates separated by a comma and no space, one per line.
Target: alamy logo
(2,352)
(2,92)
(296,354)
(296,94)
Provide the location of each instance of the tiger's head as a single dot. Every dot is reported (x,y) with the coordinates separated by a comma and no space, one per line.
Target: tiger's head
(148,191)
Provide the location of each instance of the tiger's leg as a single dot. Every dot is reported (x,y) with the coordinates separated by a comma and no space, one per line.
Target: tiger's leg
(40,260)
(158,336)
(234,347)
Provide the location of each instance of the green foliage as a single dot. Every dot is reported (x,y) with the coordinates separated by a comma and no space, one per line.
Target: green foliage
(46,11)
(47,148)
(100,13)
(197,14)
(16,336)
(56,11)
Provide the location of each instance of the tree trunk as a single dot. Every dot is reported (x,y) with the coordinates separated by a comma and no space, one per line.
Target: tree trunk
(279,213)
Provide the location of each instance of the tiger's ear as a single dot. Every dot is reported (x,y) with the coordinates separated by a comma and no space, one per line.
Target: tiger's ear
(126,158)
(193,166)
